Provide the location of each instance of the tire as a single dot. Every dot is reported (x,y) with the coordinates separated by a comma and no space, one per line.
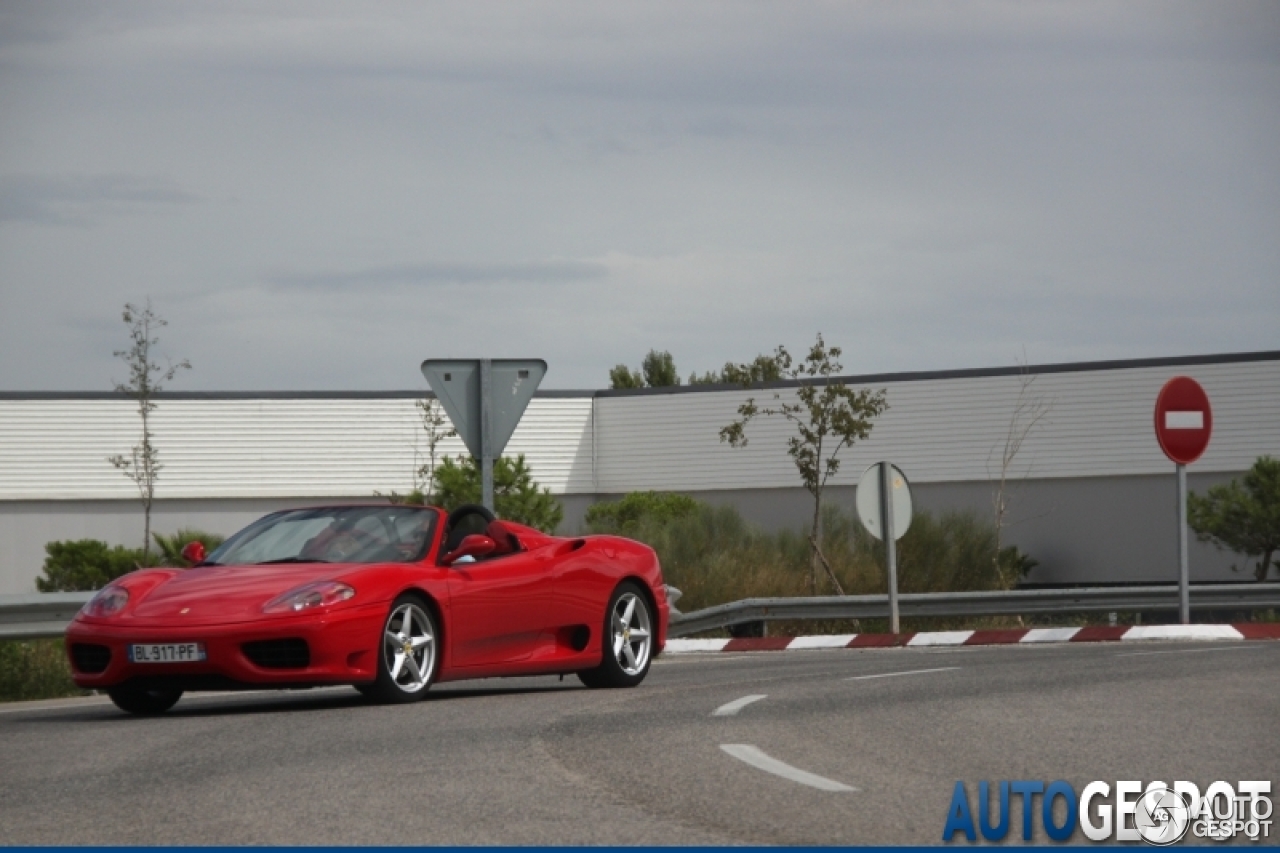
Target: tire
(144,702)
(627,639)
(408,654)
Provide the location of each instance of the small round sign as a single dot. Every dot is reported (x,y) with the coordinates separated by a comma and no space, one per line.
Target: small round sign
(1183,419)
(867,501)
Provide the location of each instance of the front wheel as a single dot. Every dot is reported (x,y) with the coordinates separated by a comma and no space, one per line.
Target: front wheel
(628,637)
(407,658)
(142,702)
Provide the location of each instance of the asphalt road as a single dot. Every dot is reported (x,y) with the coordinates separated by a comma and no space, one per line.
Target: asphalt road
(539,761)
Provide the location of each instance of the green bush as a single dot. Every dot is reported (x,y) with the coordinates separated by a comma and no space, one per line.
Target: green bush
(516,496)
(1242,518)
(35,669)
(86,564)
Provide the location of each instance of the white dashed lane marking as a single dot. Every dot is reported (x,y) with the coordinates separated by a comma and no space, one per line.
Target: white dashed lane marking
(907,672)
(729,709)
(751,755)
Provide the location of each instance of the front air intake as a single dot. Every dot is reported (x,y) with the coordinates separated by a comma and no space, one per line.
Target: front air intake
(291,653)
(90,658)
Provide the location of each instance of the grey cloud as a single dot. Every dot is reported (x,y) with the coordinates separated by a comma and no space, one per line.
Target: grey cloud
(81,199)
(546,272)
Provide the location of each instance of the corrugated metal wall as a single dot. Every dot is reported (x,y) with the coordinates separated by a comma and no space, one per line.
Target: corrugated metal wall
(1099,423)
(242,448)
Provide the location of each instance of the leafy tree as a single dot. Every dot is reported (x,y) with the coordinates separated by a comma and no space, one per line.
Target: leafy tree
(763,369)
(143,466)
(1245,519)
(658,370)
(86,564)
(828,416)
(622,377)
(171,546)
(637,508)
(515,494)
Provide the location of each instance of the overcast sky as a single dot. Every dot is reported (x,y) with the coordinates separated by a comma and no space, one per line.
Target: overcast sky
(319,196)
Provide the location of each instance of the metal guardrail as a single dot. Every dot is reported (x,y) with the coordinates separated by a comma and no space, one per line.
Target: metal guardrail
(26,617)
(1024,602)
(41,614)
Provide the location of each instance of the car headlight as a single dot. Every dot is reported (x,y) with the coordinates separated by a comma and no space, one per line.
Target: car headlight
(109,601)
(311,595)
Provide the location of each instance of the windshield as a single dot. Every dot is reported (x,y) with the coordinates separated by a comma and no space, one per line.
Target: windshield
(352,534)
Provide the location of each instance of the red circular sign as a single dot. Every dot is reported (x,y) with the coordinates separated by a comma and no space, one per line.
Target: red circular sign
(1184,420)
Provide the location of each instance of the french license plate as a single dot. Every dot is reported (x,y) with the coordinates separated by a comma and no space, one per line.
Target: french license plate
(166,652)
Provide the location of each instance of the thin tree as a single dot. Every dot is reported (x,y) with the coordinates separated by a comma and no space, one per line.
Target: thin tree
(146,378)
(828,416)
(438,427)
(1029,409)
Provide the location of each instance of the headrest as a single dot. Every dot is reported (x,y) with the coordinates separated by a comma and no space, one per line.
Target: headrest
(505,540)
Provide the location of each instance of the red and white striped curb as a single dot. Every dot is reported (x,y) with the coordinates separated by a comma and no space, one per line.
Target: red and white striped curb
(998,636)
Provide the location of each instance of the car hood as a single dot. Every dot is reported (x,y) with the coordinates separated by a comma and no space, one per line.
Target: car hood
(221,594)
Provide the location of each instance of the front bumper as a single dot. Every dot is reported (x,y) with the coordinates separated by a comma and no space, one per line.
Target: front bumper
(343,648)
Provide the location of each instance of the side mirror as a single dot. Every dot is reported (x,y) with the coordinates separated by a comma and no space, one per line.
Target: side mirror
(193,552)
(475,546)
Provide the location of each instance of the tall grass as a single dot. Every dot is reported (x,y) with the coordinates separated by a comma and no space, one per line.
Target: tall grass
(35,669)
(714,556)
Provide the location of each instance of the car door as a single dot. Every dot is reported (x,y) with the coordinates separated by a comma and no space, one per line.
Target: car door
(501,609)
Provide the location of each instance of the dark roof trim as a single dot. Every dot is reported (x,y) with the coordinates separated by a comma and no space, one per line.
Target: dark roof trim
(977,372)
(255,395)
(865,379)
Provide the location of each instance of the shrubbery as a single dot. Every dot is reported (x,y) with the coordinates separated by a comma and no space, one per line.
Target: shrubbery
(87,564)
(637,508)
(713,556)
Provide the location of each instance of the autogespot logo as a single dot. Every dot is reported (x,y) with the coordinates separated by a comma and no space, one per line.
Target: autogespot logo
(1157,813)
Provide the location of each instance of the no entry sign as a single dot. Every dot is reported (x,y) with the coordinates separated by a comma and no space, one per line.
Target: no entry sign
(1184,420)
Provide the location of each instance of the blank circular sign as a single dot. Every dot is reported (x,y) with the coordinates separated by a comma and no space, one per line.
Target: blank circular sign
(1184,420)
(867,501)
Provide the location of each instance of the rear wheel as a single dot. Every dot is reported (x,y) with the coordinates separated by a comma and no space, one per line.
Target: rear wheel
(144,702)
(407,658)
(628,639)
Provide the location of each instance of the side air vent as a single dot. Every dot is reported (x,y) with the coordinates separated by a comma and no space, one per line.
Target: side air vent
(291,653)
(90,658)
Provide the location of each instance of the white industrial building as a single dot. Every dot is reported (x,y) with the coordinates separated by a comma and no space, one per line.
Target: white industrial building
(1092,494)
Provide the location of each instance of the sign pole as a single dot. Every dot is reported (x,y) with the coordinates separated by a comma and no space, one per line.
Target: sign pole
(486,434)
(1184,574)
(890,546)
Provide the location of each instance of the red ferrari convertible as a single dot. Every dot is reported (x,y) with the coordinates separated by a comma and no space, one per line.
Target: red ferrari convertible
(389,599)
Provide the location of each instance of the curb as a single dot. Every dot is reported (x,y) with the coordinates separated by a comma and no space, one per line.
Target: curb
(1000,636)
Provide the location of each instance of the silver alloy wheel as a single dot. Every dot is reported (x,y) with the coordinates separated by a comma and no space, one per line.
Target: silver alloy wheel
(409,648)
(632,633)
